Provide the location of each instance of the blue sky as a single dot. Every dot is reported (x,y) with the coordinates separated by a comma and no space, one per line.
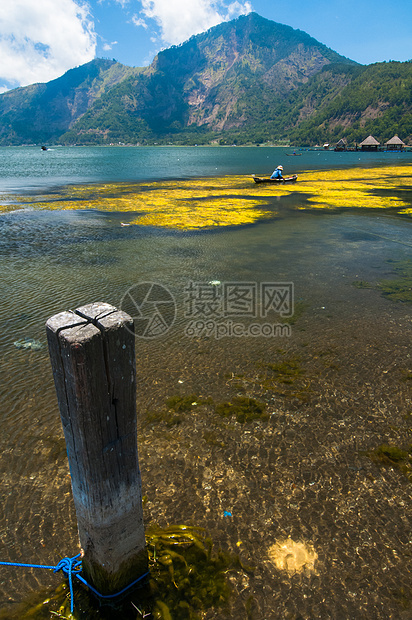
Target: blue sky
(41,39)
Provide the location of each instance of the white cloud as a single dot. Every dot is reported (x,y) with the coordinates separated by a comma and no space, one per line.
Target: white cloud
(108,46)
(41,39)
(238,8)
(123,3)
(179,20)
(139,22)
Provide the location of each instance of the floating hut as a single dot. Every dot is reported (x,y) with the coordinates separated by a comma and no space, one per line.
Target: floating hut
(341,145)
(369,144)
(395,144)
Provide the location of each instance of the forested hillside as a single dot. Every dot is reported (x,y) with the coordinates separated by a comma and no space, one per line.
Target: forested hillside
(376,100)
(42,112)
(250,80)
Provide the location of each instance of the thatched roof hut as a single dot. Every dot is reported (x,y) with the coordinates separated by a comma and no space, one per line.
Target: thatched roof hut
(341,145)
(369,144)
(395,144)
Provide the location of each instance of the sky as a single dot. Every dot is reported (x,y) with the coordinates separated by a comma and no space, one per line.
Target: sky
(41,39)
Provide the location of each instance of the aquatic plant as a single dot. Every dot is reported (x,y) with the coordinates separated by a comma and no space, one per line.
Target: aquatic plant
(298,310)
(186,578)
(361,284)
(286,371)
(393,456)
(400,287)
(28,343)
(244,408)
(176,405)
(170,418)
(182,403)
(232,200)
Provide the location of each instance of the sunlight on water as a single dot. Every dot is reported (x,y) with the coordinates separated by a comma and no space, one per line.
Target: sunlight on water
(293,557)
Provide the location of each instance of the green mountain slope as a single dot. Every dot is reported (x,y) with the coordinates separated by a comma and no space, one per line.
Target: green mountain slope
(376,100)
(247,80)
(212,83)
(42,112)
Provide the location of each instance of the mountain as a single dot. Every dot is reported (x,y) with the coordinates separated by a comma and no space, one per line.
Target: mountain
(247,80)
(43,112)
(354,102)
(213,82)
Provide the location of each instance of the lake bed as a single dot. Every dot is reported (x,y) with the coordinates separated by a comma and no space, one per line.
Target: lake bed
(335,389)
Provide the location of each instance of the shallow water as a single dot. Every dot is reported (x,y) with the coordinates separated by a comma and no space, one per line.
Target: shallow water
(301,474)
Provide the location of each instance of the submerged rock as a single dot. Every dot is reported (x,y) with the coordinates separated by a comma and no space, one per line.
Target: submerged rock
(28,343)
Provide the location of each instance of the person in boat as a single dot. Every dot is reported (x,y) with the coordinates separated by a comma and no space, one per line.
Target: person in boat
(277,174)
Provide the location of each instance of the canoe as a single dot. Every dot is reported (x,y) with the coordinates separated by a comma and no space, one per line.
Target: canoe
(291,179)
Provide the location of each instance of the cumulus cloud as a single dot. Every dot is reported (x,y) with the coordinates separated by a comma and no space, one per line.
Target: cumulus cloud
(138,21)
(41,39)
(178,20)
(108,46)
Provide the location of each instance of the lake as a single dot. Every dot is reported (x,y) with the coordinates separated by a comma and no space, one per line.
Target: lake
(335,384)
(29,168)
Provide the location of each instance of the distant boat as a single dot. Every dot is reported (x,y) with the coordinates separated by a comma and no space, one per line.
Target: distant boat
(291,179)
(295,154)
(44,148)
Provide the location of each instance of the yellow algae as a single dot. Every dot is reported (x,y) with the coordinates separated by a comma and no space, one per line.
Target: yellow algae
(205,214)
(371,188)
(293,557)
(233,200)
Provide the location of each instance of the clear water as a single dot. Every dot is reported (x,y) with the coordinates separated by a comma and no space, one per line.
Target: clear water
(23,168)
(54,261)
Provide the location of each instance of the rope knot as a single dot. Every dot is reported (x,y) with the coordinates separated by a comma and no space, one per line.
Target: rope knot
(73,566)
(69,566)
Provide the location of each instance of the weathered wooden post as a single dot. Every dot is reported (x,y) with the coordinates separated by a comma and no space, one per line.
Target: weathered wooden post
(92,354)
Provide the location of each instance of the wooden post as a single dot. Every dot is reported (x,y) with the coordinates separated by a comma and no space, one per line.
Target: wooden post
(92,354)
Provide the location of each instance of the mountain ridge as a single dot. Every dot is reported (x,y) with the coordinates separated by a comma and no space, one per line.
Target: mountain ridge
(246,80)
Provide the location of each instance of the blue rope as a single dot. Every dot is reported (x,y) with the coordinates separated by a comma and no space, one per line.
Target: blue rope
(108,596)
(72,567)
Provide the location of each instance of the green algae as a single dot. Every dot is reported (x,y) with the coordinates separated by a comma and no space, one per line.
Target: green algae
(279,378)
(387,455)
(362,284)
(399,288)
(169,418)
(212,439)
(286,371)
(298,310)
(177,405)
(187,577)
(244,408)
(182,403)
(42,605)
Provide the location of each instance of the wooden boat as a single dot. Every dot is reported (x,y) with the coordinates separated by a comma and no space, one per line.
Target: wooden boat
(291,179)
